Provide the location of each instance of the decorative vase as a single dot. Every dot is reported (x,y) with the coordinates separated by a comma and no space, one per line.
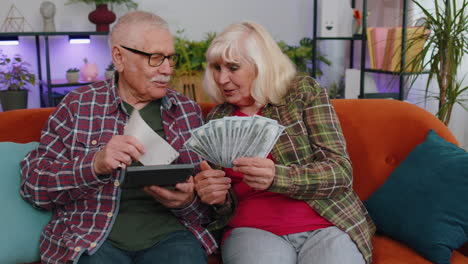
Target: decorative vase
(89,72)
(102,17)
(12,100)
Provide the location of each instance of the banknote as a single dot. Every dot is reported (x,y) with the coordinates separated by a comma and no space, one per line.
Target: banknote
(221,141)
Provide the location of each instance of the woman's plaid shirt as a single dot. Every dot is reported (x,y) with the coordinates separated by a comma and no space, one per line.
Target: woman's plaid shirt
(59,176)
(312,163)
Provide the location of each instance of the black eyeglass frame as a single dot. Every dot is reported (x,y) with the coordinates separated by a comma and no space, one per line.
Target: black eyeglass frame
(149,55)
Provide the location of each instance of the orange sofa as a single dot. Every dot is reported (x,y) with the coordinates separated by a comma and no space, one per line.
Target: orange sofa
(379,132)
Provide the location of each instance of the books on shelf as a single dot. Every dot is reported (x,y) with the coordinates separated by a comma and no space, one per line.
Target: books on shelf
(379,36)
(371,48)
(384,46)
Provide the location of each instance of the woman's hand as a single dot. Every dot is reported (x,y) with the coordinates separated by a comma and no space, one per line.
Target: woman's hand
(258,172)
(211,185)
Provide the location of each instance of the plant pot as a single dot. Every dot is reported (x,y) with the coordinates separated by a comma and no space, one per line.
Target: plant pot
(102,17)
(72,77)
(109,74)
(12,100)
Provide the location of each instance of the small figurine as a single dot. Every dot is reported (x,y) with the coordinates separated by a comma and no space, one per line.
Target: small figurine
(48,12)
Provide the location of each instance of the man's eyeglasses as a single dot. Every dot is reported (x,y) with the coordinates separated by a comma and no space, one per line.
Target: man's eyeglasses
(156,59)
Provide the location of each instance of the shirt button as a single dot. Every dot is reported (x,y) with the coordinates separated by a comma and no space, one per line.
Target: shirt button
(93,142)
(77,249)
(93,245)
(109,214)
(116,183)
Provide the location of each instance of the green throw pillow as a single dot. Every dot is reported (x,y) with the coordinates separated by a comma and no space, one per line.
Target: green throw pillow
(21,224)
(424,202)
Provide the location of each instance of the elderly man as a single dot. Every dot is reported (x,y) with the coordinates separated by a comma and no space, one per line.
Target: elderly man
(74,171)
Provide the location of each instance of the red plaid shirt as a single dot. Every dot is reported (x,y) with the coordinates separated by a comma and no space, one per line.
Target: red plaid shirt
(59,175)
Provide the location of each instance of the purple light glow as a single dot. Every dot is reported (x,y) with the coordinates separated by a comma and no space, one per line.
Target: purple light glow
(62,56)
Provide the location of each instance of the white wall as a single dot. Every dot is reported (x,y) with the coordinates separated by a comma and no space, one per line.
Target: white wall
(286,20)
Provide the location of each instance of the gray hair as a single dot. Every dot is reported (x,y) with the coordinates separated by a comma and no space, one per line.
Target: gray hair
(134,18)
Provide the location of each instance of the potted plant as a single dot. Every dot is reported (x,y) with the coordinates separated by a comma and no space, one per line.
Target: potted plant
(110,70)
(442,53)
(14,77)
(336,89)
(73,74)
(189,70)
(301,55)
(102,16)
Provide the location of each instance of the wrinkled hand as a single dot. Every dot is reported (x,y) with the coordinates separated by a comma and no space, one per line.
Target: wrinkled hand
(258,172)
(178,198)
(119,151)
(211,185)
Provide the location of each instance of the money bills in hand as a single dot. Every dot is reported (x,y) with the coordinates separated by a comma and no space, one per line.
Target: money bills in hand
(221,141)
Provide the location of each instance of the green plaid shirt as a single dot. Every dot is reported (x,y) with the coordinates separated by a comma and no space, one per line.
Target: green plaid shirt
(312,163)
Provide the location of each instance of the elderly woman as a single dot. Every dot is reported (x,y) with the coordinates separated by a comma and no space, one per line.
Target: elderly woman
(297,205)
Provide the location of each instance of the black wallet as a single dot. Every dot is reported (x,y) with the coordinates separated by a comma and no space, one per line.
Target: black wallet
(162,175)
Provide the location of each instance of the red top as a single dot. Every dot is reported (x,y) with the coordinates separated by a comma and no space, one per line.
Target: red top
(270,211)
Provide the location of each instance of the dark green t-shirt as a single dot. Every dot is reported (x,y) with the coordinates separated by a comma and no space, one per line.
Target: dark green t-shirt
(142,221)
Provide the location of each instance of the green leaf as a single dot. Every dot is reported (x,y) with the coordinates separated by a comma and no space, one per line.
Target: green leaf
(444,48)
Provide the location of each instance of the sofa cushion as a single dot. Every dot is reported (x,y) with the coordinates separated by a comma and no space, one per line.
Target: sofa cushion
(424,201)
(21,223)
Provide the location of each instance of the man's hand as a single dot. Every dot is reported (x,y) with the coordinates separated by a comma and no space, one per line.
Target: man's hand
(211,185)
(258,172)
(118,152)
(181,197)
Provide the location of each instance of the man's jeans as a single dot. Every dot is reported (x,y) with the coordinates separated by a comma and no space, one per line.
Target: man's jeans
(178,247)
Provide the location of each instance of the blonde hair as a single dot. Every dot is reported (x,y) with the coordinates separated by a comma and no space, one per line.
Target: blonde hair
(120,31)
(250,42)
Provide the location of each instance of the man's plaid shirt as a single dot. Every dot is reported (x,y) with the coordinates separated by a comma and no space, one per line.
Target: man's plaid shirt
(312,163)
(59,174)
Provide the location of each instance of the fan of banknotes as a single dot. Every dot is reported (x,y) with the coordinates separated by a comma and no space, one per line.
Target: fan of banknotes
(221,141)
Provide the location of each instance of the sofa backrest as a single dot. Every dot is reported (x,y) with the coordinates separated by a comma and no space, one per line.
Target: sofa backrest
(23,125)
(379,133)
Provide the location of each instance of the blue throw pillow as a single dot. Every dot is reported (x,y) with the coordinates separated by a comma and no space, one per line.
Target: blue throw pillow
(424,202)
(21,224)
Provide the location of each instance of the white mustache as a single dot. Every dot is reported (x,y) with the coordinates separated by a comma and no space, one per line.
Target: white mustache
(161,78)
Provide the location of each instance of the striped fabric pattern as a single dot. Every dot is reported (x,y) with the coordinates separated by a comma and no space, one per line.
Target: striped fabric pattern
(59,176)
(312,163)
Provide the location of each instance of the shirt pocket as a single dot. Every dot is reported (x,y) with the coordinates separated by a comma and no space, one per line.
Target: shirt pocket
(86,143)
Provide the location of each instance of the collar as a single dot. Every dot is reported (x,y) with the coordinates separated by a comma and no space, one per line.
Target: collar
(167,102)
(115,101)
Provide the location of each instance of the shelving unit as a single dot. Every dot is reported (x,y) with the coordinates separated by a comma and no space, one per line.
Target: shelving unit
(48,84)
(363,38)
(316,38)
